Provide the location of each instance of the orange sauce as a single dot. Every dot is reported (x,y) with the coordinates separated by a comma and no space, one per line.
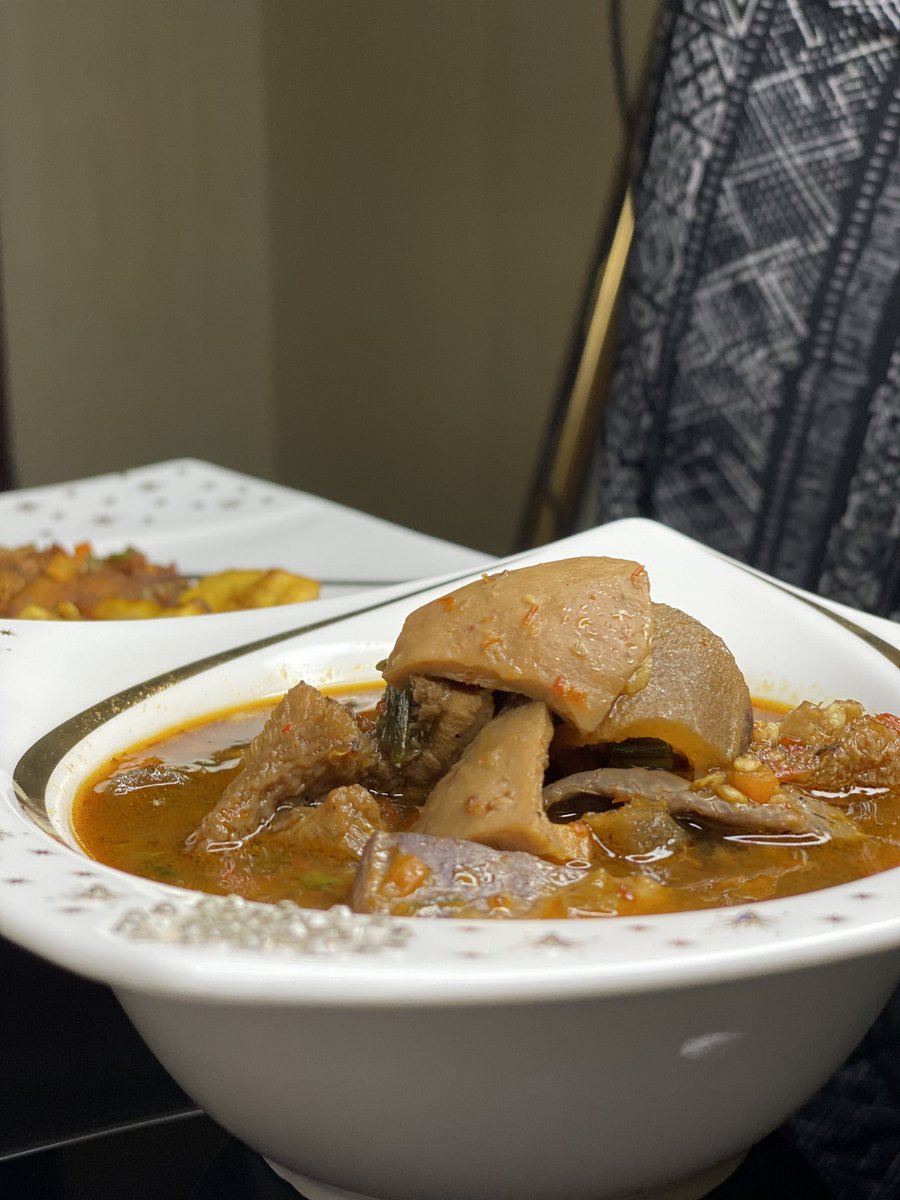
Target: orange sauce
(135,813)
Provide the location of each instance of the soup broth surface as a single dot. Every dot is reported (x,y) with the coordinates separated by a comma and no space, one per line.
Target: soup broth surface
(136,813)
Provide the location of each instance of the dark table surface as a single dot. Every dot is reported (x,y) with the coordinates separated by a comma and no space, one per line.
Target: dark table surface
(192,1159)
(72,1063)
(87,1113)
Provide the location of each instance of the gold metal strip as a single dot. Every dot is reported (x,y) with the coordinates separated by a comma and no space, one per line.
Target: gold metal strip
(588,392)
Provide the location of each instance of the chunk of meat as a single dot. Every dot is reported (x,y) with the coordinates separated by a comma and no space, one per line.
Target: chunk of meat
(695,698)
(638,830)
(339,827)
(785,813)
(833,747)
(570,634)
(413,874)
(600,893)
(423,729)
(309,745)
(818,724)
(492,795)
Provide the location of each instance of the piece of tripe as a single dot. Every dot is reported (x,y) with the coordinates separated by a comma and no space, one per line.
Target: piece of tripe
(571,633)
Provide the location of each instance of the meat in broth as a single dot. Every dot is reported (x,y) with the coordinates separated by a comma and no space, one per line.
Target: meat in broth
(549,743)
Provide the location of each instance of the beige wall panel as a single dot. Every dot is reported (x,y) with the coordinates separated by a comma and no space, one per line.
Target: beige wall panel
(439,175)
(135,252)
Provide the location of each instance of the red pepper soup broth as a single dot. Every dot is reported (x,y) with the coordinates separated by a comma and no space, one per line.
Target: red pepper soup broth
(136,813)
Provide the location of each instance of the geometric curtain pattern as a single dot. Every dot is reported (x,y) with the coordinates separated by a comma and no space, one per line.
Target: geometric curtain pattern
(755,402)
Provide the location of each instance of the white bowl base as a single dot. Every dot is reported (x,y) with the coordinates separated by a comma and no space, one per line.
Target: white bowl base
(695,1188)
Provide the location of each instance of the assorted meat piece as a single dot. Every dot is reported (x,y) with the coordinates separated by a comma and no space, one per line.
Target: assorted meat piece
(786,812)
(340,826)
(640,830)
(309,745)
(409,874)
(571,634)
(423,728)
(415,874)
(695,698)
(493,794)
(833,747)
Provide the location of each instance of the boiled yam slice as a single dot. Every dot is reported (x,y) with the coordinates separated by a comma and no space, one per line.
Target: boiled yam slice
(570,634)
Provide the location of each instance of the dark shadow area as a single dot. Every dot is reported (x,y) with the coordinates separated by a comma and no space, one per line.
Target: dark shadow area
(73,1064)
(193,1159)
(157,1162)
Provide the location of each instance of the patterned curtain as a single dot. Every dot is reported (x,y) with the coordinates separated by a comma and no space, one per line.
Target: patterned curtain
(755,404)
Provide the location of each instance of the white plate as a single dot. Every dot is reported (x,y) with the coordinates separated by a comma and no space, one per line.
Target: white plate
(207,518)
(76,912)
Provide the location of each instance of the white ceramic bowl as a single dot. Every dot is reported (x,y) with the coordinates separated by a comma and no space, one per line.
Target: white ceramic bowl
(454,1060)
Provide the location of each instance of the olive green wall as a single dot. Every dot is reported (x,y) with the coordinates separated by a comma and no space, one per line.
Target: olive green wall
(135,249)
(337,243)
